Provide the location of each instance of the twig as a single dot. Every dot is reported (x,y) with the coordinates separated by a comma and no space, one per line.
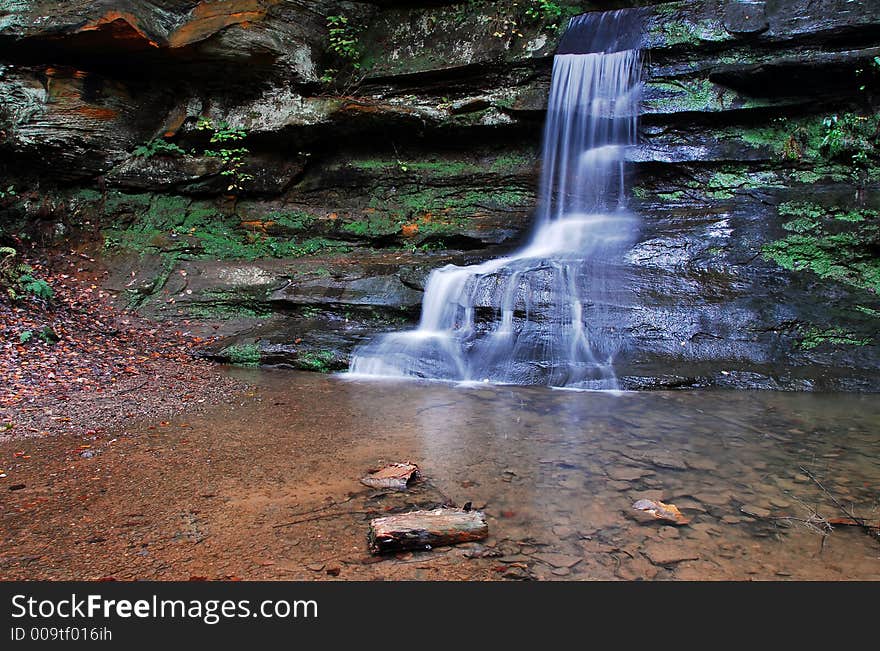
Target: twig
(814,520)
(864,526)
(751,428)
(130,389)
(326,506)
(324,516)
(810,522)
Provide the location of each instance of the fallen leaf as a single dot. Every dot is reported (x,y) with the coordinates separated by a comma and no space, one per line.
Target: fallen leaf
(661,511)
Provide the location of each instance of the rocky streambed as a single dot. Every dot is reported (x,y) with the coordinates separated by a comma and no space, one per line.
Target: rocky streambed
(556,473)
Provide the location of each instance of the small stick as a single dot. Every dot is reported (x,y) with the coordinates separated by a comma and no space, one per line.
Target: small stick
(325,507)
(324,516)
(864,526)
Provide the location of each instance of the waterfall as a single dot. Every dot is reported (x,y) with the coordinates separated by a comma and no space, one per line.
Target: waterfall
(546,313)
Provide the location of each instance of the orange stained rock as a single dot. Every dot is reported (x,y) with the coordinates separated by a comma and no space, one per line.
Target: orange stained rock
(212,16)
(257,225)
(124,22)
(409,230)
(174,121)
(64,72)
(97,112)
(362,107)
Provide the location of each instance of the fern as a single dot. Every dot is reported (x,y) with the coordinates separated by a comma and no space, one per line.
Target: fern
(35,286)
(157,147)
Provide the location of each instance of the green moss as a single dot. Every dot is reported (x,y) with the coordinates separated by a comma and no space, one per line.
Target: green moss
(743,179)
(118,203)
(373,164)
(436,167)
(511,162)
(839,148)
(319,361)
(295,220)
(832,248)
(772,136)
(243,354)
(87,195)
(676,33)
(805,177)
(377,225)
(812,337)
(445,167)
(724,184)
(691,95)
(442,204)
(222,311)
(847,138)
(198,230)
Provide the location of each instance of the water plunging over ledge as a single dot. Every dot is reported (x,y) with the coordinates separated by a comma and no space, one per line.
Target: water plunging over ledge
(543,315)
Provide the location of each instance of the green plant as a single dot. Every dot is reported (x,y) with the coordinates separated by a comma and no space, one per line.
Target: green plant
(48,335)
(310,312)
(344,42)
(35,286)
(157,147)
(18,280)
(25,336)
(233,158)
(8,193)
(849,135)
(545,11)
(872,71)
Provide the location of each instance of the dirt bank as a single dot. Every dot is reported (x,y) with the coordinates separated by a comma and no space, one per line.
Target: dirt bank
(76,364)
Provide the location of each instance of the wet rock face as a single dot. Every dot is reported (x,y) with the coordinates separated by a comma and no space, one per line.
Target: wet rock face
(756,263)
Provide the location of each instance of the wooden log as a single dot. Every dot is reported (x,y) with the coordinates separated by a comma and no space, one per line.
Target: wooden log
(426,529)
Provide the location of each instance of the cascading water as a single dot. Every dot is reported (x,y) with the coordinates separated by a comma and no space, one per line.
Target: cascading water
(546,313)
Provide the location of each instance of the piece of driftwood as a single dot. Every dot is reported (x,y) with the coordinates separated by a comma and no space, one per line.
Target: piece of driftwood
(395,476)
(426,529)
